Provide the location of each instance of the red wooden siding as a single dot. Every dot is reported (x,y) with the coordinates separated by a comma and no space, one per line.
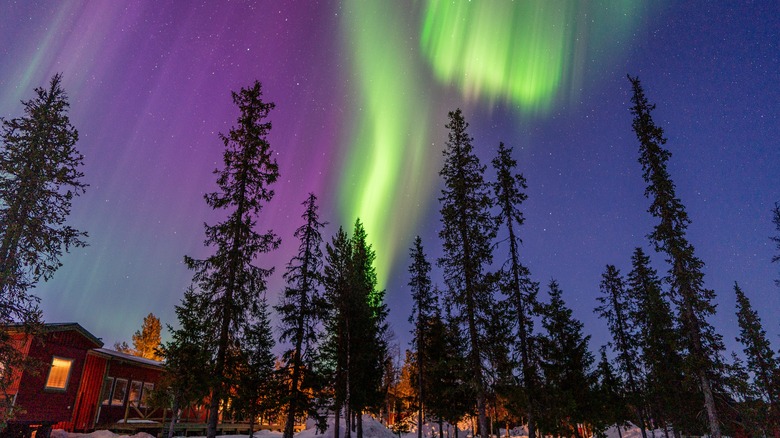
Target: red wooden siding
(55,406)
(130,371)
(89,391)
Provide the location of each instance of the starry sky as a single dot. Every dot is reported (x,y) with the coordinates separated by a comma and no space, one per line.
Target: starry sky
(362,90)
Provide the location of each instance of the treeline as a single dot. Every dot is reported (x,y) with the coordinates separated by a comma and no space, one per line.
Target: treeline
(331,313)
(485,345)
(476,351)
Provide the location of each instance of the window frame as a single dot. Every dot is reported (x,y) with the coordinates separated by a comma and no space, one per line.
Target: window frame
(145,390)
(137,400)
(126,389)
(46,386)
(110,395)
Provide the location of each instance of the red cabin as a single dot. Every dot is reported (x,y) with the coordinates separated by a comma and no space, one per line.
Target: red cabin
(80,384)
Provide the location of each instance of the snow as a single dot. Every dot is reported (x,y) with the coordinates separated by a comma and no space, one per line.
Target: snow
(371,429)
(59,433)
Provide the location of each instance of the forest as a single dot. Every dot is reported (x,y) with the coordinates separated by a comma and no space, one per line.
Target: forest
(487,346)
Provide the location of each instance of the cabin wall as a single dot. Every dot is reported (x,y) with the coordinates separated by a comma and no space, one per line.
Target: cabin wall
(89,391)
(47,404)
(116,409)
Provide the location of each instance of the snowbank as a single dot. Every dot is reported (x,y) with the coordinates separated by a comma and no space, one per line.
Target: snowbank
(371,429)
(59,433)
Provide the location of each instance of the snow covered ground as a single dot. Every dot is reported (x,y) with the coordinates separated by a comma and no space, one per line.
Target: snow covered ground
(371,429)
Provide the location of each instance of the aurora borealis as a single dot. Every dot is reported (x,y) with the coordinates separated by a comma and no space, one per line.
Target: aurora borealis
(362,90)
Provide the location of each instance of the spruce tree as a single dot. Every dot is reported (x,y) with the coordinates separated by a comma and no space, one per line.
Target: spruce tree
(423,311)
(658,344)
(256,389)
(188,356)
(468,229)
(301,311)
(609,395)
(694,301)
(39,177)
(356,346)
(369,347)
(451,369)
(338,259)
(230,280)
(761,360)
(509,190)
(615,308)
(566,365)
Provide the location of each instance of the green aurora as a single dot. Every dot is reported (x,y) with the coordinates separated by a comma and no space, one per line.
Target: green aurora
(527,54)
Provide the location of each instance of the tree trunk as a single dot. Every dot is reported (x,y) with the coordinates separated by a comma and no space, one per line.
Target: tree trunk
(359,418)
(174,414)
(336,421)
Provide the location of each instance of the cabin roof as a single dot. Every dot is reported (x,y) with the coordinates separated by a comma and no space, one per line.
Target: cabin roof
(63,327)
(128,357)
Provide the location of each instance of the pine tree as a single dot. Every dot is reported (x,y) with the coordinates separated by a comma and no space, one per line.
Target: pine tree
(509,190)
(423,310)
(338,256)
(369,347)
(566,366)
(39,177)
(686,278)
(188,356)
(467,232)
(301,310)
(256,389)
(776,239)
(356,346)
(658,342)
(615,307)
(609,397)
(229,279)
(453,397)
(761,360)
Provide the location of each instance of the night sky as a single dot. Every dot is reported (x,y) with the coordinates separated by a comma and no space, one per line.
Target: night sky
(362,90)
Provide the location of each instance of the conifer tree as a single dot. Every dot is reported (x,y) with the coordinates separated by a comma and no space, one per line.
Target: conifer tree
(39,177)
(229,278)
(369,347)
(467,231)
(356,347)
(694,301)
(509,190)
(256,389)
(453,399)
(188,356)
(338,257)
(615,307)
(301,310)
(566,365)
(423,311)
(761,360)
(609,396)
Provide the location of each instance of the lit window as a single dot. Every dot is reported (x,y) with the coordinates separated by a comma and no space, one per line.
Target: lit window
(120,392)
(148,388)
(135,393)
(59,373)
